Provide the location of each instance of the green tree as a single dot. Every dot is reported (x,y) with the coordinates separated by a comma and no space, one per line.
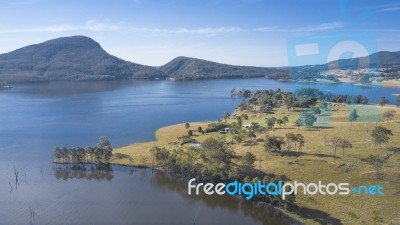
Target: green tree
(270,122)
(248,160)
(200,130)
(285,120)
(187,126)
(273,143)
(383,101)
(239,121)
(103,150)
(190,133)
(161,155)
(353,117)
(279,122)
(381,135)
(307,118)
(217,157)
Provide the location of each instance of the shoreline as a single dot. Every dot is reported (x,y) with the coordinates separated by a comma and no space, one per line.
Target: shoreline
(257,202)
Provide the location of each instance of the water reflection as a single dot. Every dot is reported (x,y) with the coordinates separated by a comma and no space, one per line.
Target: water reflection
(66,88)
(233,204)
(83,171)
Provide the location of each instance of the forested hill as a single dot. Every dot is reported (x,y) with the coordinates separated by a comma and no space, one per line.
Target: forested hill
(81,58)
(68,58)
(185,68)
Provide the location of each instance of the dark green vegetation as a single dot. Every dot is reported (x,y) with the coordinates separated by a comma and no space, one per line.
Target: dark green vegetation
(99,154)
(80,58)
(185,68)
(71,58)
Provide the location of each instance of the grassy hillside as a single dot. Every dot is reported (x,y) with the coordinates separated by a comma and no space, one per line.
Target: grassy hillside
(314,163)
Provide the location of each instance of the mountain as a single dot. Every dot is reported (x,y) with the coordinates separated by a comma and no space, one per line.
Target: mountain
(375,60)
(81,58)
(185,68)
(69,58)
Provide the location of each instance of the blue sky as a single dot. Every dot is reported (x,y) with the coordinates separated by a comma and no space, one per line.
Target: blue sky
(240,32)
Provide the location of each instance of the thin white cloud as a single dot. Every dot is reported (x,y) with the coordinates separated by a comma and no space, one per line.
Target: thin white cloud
(390,9)
(95,26)
(90,25)
(315,28)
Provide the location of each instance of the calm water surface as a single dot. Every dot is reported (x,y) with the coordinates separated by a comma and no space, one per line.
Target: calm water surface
(35,118)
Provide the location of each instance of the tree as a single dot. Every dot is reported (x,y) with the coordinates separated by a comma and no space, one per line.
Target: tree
(248,160)
(398,100)
(290,138)
(200,130)
(288,101)
(377,162)
(353,117)
(335,143)
(190,133)
(344,143)
(316,111)
(187,126)
(104,150)
(388,115)
(226,115)
(285,119)
(239,121)
(279,122)
(266,109)
(300,140)
(297,124)
(270,122)
(273,143)
(383,101)
(161,155)
(217,157)
(307,118)
(381,135)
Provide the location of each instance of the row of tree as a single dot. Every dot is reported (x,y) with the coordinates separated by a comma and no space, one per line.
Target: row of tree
(101,153)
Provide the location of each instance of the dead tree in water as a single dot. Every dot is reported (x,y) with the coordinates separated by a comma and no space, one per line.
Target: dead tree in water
(32,214)
(16,174)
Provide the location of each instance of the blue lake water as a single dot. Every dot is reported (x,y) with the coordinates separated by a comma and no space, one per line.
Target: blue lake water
(35,118)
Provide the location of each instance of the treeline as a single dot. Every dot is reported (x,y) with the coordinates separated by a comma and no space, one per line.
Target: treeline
(101,153)
(301,98)
(213,162)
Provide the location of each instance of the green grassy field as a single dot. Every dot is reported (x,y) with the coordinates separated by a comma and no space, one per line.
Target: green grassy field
(314,163)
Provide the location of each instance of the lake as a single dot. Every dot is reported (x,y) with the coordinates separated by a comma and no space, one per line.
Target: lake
(35,118)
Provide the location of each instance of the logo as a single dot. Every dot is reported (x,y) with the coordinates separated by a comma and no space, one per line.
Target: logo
(280,189)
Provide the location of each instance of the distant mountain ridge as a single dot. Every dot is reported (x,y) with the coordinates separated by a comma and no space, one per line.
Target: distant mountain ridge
(185,68)
(79,58)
